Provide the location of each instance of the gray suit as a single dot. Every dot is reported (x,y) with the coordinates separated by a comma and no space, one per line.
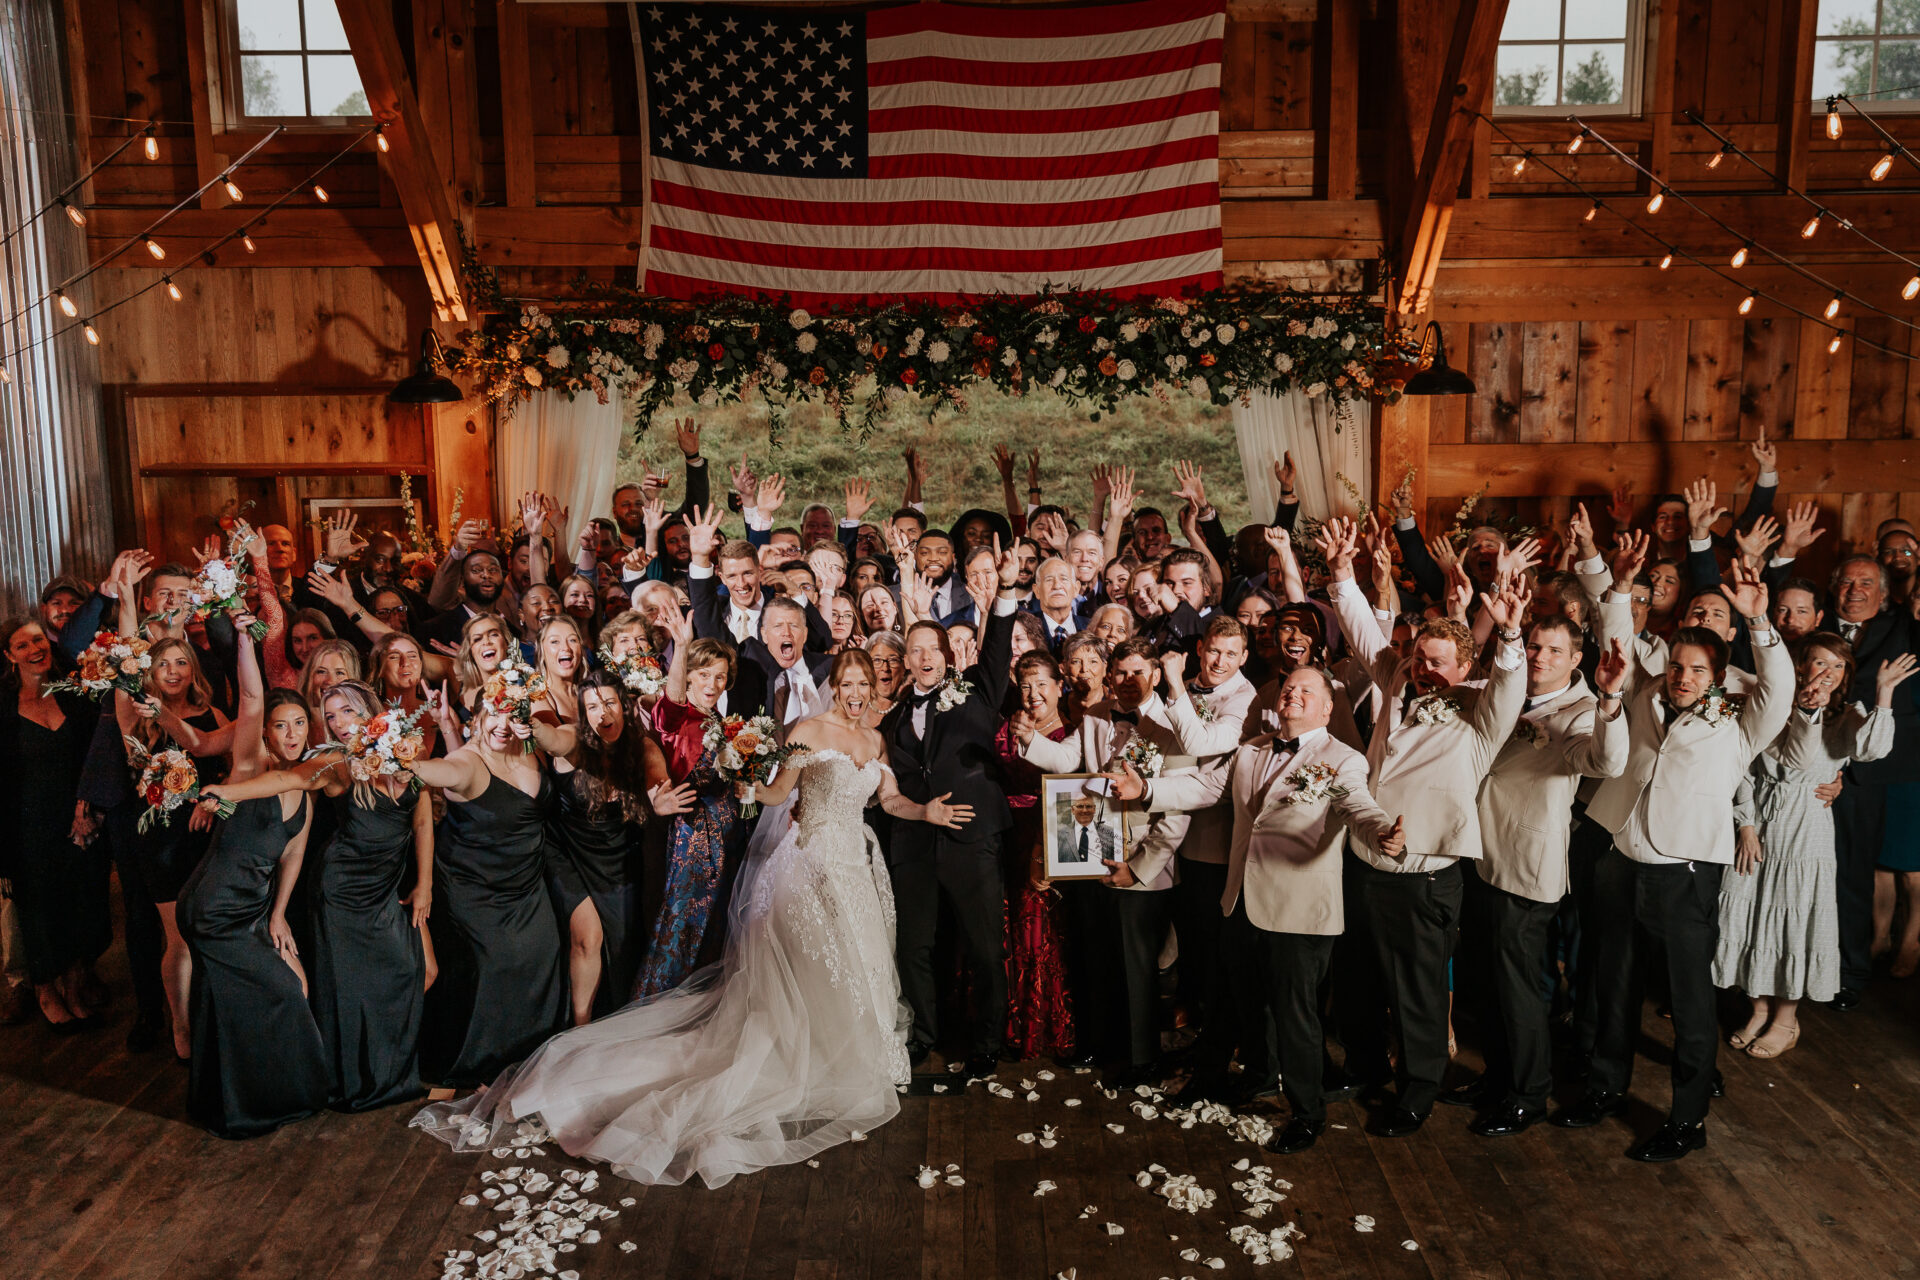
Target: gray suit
(1100,845)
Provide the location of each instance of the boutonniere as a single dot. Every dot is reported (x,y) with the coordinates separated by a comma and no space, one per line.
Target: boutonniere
(953,692)
(1435,708)
(1142,755)
(1202,709)
(1313,784)
(1718,706)
(1530,733)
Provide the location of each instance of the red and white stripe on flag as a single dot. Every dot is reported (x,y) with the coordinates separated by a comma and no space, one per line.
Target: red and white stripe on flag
(1005,151)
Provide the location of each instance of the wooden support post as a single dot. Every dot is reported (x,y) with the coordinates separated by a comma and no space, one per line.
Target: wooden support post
(516,99)
(204,93)
(1663,63)
(1400,442)
(1797,19)
(1343,99)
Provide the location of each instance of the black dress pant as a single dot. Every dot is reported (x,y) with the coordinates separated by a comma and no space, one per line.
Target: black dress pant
(1859,826)
(969,875)
(1197,923)
(1589,843)
(146,941)
(1678,905)
(1357,992)
(1509,935)
(1414,917)
(1096,978)
(1143,916)
(1278,985)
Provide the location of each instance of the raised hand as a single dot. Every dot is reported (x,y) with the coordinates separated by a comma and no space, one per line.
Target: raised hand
(1508,606)
(533,511)
(341,544)
(1124,495)
(1003,460)
(1703,508)
(1285,475)
(1459,599)
(1339,540)
(332,588)
(1764,455)
(1007,562)
(1620,510)
(1402,498)
(651,482)
(1102,477)
(653,514)
(703,531)
(773,492)
(1630,551)
(1800,532)
(1173,665)
(1580,533)
(1278,540)
(636,560)
(859,499)
(1441,548)
(1748,593)
(916,592)
(667,799)
(1187,484)
(1753,542)
(1610,674)
(679,628)
(468,536)
(744,482)
(1892,673)
(686,434)
(902,543)
(1033,470)
(1050,531)
(207,550)
(1519,557)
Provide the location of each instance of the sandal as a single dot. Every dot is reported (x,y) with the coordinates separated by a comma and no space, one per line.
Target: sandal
(1746,1035)
(1764,1048)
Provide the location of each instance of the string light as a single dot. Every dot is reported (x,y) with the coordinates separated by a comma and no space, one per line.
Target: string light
(1881,167)
(1713,161)
(1833,348)
(93,334)
(66,303)
(1656,200)
(1520,165)
(320,193)
(1912,288)
(380,139)
(75,214)
(1592,213)
(1833,118)
(173,290)
(1833,307)
(233,190)
(5,376)
(1666,261)
(1573,146)
(1746,303)
(246,242)
(153,247)
(1812,225)
(1739,258)
(152,145)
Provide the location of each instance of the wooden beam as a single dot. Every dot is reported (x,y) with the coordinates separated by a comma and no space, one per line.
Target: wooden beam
(201,33)
(1797,20)
(516,104)
(1806,466)
(1449,141)
(289,238)
(416,175)
(1400,441)
(1575,289)
(1663,65)
(1342,162)
(78,91)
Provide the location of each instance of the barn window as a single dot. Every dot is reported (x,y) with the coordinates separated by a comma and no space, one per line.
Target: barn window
(1868,48)
(1569,54)
(289,62)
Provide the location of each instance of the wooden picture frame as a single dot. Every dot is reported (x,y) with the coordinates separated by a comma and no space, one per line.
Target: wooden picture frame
(1070,806)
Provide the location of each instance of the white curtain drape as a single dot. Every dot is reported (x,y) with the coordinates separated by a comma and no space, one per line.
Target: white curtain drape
(1328,439)
(565,448)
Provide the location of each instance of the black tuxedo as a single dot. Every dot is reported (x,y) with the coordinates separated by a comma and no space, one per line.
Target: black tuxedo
(1860,813)
(957,757)
(752,690)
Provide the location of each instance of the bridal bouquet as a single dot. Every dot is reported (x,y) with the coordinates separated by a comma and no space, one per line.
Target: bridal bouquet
(512,690)
(168,781)
(745,751)
(217,588)
(639,672)
(110,662)
(384,746)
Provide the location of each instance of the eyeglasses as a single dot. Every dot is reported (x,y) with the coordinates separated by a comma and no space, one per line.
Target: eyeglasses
(390,611)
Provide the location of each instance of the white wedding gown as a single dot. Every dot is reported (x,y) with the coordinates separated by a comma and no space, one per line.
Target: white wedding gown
(789,1045)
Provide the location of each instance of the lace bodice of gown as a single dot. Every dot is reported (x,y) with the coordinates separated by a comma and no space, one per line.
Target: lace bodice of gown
(832,798)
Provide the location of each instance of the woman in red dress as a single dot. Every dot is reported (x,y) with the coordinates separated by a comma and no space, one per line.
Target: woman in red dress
(1039,1007)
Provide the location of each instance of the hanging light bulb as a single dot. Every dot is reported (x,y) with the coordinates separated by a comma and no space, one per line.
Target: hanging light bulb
(1657,199)
(1574,144)
(1833,307)
(1739,258)
(66,303)
(1833,118)
(1746,303)
(151,145)
(1520,165)
(173,290)
(1811,225)
(1666,261)
(1592,213)
(246,242)
(1713,161)
(153,247)
(234,193)
(1912,288)
(93,334)
(1881,167)
(380,139)
(1833,348)
(75,214)
(320,193)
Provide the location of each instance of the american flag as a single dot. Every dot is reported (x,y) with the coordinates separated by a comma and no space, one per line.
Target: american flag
(933,151)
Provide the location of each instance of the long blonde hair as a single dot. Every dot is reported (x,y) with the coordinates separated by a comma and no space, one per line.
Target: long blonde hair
(350,656)
(366,704)
(465,669)
(199,693)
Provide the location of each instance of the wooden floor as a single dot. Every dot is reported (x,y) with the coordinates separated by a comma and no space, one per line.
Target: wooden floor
(1813,1169)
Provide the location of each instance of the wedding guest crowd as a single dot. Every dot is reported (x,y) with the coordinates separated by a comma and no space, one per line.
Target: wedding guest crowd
(1380,792)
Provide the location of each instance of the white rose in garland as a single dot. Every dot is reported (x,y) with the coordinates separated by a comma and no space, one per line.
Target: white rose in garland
(1316,389)
(806,342)
(1224,334)
(1197,386)
(558,356)
(1125,371)
(938,351)
(799,319)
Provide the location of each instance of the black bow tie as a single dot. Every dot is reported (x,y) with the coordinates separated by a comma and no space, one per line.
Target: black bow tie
(919,699)
(1286,747)
(1127,717)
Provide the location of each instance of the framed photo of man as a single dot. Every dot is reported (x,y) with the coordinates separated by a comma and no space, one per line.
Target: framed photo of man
(1080,827)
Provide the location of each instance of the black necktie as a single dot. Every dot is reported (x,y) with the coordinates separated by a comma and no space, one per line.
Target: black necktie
(1667,712)
(1083,844)
(1528,705)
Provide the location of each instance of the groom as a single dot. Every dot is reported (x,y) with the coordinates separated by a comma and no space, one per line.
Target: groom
(940,741)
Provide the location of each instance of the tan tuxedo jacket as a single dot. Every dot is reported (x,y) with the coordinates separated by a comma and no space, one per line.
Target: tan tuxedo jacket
(1212,743)
(1285,854)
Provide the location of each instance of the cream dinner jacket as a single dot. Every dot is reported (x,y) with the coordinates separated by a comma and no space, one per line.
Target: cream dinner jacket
(1284,857)
(1649,651)
(1430,773)
(1352,688)
(1213,742)
(1690,770)
(1092,750)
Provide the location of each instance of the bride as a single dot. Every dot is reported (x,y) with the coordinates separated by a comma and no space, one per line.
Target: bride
(789,1045)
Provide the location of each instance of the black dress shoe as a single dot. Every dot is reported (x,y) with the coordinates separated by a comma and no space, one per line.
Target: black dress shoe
(1476,1093)
(143,1036)
(1296,1137)
(1396,1122)
(1077,1059)
(1719,1086)
(1596,1106)
(982,1066)
(1847,999)
(1336,1085)
(1246,1088)
(1670,1142)
(917,1054)
(1506,1120)
(1205,1086)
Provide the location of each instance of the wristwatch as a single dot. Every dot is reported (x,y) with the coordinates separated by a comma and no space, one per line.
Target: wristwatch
(1508,637)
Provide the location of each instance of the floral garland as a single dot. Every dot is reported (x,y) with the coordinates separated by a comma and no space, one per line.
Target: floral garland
(1090,347)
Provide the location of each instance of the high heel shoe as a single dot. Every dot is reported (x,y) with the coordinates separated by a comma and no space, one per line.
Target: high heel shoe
(1761,1048)
(1745,1036)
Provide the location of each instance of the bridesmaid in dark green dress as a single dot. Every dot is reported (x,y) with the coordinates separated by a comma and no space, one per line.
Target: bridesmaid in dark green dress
(368,970)
(501,989)
(257,1061)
